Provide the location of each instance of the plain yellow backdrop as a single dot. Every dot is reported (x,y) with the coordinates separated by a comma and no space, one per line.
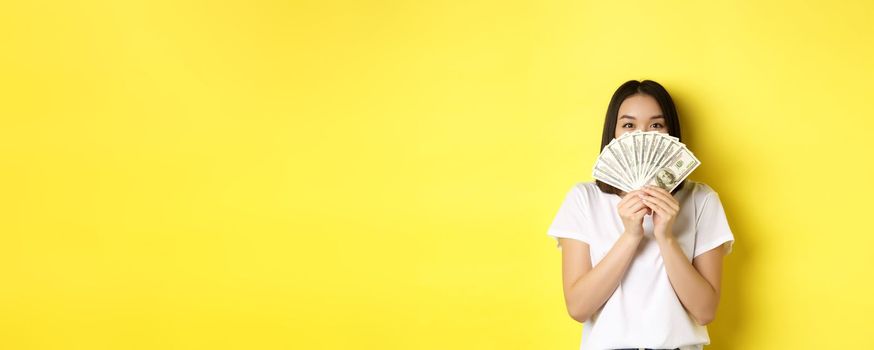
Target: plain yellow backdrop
(381,174)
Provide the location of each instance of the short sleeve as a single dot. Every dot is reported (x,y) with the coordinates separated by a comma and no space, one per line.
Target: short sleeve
(571,220)
(712,226)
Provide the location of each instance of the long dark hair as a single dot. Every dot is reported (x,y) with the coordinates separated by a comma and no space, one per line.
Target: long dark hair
(633,87)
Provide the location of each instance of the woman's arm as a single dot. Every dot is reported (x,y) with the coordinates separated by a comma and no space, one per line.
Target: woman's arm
(586,289)
(697,284)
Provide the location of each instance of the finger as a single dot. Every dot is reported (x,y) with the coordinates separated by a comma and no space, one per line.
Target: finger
(658,191)
(634,207)
(658,207)
(629,195)
(669,198)
(640,213)
(647,205)
(638,204)
(647,210)
(655,188)
(624,201)
(649,199)
(629,198)
(666,198)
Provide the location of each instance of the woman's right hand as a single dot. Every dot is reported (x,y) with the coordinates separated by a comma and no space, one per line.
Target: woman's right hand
(632,210)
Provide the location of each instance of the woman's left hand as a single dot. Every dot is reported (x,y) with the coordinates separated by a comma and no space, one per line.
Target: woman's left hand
(665,209)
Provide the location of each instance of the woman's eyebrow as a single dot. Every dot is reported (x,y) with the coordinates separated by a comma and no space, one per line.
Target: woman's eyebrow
(630,117)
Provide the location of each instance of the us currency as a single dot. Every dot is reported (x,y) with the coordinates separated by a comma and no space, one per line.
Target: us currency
(638,158)
(680,166)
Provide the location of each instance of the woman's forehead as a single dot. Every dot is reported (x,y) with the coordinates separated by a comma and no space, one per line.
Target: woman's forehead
(640,106)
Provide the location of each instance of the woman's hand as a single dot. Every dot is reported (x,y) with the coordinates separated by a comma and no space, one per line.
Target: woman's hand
(665,208)
(631,210)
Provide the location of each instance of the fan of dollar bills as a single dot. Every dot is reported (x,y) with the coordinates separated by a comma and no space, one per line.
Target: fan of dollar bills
(641,158)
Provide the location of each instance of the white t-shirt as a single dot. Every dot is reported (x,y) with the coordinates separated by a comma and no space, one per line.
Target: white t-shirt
(644,310)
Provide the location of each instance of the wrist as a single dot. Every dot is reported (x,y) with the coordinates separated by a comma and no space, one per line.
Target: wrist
(632,235)
(665,238)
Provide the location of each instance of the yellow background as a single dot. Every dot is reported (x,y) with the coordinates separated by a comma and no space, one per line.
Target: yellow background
(381,174)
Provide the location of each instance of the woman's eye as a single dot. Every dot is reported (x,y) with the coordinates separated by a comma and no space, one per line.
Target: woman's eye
(626,125)
(659,125)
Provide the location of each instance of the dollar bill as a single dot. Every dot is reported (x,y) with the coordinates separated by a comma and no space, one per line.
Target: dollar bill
(678,168)
(639,158)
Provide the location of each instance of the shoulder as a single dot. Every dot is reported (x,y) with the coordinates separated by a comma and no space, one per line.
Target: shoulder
(702,188)
(585,189)
(700,192)
(587,193)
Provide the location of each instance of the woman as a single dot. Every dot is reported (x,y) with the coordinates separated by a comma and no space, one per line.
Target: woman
(642,269)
